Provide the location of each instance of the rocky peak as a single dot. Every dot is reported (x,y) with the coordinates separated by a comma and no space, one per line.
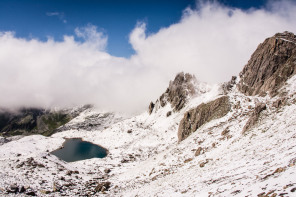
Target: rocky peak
(270,66)
(180,89)
(178,92)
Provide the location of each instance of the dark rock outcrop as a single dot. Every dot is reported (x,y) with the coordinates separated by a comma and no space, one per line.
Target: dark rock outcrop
(254,117)
(202,114)
(151,107)
(198,151)
(178,92)
(273,62)
(103,186)
(229,85)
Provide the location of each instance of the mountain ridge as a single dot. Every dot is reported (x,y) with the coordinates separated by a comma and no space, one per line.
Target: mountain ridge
(246,150)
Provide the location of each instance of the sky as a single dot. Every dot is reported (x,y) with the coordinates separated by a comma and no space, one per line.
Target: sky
(121,54)
(41,19)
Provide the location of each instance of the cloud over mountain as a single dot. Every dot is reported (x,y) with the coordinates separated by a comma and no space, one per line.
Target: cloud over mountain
(212,41)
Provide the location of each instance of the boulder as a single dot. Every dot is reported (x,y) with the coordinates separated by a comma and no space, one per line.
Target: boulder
(198,151)
(169,113)
(103,186)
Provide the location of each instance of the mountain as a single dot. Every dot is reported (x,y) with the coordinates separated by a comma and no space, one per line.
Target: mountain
(28,121)
(196,139)
(270,66)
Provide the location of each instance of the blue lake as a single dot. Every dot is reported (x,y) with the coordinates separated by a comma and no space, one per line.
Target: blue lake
(75,149)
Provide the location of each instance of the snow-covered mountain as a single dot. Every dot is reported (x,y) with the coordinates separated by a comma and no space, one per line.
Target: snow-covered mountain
(231,139)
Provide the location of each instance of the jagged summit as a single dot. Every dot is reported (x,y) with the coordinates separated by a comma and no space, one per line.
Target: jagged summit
(270,65)
(180,89)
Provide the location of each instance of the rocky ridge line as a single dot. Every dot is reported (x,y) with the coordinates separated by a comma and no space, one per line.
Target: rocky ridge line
(273,62)
(183,87)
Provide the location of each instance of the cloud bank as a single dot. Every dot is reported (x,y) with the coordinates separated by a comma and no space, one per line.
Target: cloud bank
(212,41)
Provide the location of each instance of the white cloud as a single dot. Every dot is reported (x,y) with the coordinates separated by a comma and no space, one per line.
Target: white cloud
(92,37)
(212,42)
(60,15)
(52,13)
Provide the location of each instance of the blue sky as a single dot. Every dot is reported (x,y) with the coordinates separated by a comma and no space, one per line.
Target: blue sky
(115,18)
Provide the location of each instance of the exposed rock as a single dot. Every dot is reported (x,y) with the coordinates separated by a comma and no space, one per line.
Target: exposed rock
(236,192)
(13,189)
(202,114)
(278,103)
(225,131)
(129,131)
(169,113)
(56,187)
(254,117)
(202,164)
(107,170)
(103,186)
(198,151)
(188,160)
(182,87)
(273,62)
(261,194)
(31,193)
(179,90)
(229,85)
(22,189)
(28,121)
(277,171)
(151,107)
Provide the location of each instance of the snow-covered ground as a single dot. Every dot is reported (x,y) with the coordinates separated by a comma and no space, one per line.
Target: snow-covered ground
(149,161)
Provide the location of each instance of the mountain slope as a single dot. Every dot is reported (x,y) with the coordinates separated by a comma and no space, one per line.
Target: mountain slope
(248,150)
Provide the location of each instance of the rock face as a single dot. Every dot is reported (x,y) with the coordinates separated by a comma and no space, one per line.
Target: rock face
(229,85)
(254,117)
(202,114)
(178,92)
(273,62)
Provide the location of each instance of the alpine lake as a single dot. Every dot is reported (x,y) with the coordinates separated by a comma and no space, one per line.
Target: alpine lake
(75,149)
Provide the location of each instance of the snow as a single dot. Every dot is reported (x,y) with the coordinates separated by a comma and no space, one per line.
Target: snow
(149,161)
(287,40)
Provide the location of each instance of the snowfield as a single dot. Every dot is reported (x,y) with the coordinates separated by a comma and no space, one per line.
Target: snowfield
(149,161)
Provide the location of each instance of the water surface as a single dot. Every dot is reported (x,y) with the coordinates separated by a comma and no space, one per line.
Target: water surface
(75,149)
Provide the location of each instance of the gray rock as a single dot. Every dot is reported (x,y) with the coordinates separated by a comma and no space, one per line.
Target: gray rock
(178,92)
(229,85)
(273,62)
(202,114)
(254,117)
